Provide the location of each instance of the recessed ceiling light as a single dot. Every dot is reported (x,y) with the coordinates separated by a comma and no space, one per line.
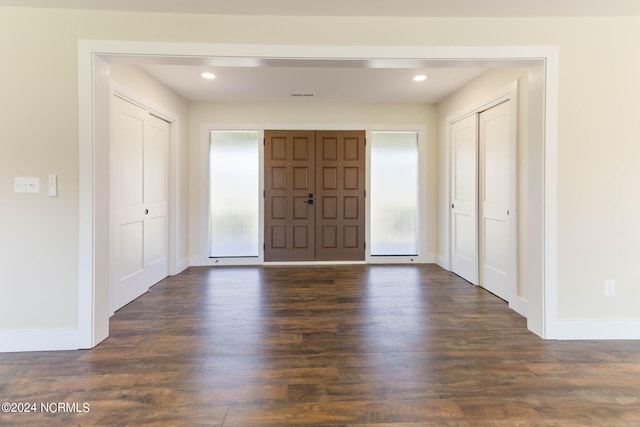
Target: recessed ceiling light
(208,75)
(420,78)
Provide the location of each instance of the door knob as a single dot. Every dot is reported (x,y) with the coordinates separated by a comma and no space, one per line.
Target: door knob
(146,211)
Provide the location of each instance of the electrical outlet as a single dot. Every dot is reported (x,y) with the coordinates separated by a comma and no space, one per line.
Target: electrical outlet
(609,288)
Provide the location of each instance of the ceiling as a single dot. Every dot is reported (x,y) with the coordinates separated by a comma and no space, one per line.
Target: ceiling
(430,8)
(299,83)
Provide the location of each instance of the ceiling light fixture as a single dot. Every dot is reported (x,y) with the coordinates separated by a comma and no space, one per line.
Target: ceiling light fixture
(208,75)
(420,78)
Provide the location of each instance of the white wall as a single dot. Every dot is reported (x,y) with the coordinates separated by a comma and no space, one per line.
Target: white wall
(312,115)
(598,153)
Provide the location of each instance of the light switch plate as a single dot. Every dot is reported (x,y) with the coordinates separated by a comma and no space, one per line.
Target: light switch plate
(53,185)
(26,184)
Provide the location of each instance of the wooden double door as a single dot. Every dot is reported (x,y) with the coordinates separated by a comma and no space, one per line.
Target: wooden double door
(314,195)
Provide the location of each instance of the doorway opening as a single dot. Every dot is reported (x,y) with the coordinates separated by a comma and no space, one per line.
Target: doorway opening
(94,57)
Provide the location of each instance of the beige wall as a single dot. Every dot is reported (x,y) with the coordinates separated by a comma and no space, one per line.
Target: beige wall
(598,153)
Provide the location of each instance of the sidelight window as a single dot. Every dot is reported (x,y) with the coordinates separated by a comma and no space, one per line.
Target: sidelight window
(394,193)
(234,194)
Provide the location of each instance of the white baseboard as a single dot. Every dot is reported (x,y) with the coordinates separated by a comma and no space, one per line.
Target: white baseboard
(443,262)
(196,261)
(519,305)
(594,330)
(182,265)
(40,340)
(429,258)
(219,262)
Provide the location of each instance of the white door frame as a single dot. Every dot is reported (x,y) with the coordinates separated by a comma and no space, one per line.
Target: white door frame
(93,92)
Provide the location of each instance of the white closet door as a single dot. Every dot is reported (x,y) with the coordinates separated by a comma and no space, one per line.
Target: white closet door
(497,178)
(464,206)
(139,164)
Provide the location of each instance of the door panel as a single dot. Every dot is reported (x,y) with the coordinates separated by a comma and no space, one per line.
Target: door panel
(329,207)
(329,166)
(464,217)
(130,248)
(129,137)
(140,146)
(156,160)
(340,175)
(329,237)
(495,146)
(278,177)
(289,179)
(350,237)
(155,242)
(278,237)
(156,165)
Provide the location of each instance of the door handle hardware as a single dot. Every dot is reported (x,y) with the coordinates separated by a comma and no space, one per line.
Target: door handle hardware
(146,211)
(309,200)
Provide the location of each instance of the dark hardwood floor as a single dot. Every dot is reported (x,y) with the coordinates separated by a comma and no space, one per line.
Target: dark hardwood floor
(325,346)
